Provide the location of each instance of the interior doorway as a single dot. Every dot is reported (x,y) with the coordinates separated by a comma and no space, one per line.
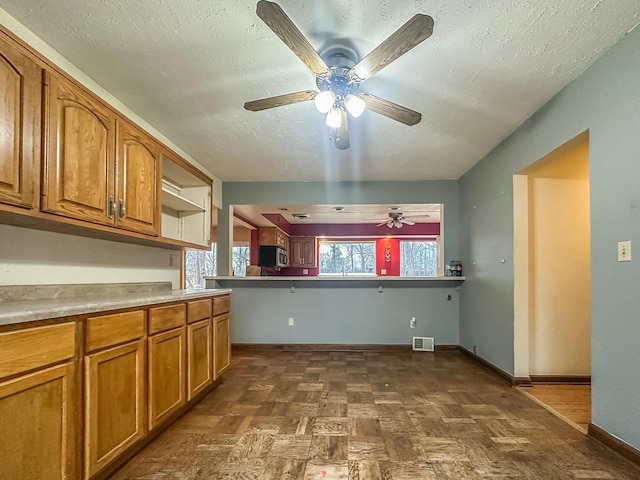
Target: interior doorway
(552,272)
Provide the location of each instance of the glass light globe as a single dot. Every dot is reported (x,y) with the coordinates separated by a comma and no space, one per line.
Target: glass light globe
(355,105)
(324,101)
(334,120)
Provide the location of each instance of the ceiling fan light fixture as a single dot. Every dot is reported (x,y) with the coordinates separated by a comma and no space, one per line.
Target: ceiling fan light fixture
(334,119)
(324,101)
(355,105)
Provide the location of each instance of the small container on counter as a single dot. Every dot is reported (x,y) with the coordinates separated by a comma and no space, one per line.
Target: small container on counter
(453,268)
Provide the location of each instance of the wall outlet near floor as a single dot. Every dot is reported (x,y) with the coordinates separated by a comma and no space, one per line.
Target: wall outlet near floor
(624,251)
(305,271)
(412,322)
(291,323)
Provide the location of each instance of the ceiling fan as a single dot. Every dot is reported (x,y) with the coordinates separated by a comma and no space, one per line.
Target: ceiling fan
(397,219)
(339,72)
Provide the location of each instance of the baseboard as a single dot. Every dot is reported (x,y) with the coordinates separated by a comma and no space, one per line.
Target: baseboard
(614,443)
(564,379)
(330,347)
(507,377)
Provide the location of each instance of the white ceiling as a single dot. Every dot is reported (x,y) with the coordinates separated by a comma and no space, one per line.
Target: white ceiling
(351,214)
(188,66)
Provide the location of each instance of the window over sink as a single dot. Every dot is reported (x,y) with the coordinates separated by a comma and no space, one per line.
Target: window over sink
(347,258)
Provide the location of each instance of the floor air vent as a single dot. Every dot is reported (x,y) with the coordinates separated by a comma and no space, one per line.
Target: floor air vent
(423,344)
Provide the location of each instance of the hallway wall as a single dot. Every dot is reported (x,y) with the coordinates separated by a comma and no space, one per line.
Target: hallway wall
(604,100)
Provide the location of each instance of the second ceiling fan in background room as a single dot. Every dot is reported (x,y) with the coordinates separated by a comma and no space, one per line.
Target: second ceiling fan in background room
(339,72)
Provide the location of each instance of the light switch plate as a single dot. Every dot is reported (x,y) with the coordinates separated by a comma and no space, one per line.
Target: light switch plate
(624,251)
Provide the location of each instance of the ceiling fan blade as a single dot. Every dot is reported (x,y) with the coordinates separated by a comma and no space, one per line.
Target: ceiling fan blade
(341,135)
(283,27)
(383,223)
(417,216)
(280,100)
(391,110)
(406,222)
(412,33)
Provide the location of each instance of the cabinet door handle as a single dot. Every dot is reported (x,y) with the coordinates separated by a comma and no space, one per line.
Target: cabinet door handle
(111,209)
(122,210)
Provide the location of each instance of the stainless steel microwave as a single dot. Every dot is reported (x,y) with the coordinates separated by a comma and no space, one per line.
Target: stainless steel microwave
(272,256)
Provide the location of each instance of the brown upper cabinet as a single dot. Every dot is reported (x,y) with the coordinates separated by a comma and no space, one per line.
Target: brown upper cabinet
(21,93)
(98,168)
(303,252)
(273,236)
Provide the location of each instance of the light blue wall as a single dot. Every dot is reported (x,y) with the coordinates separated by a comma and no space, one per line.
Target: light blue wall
(342,193)
(351,315)
(606,101)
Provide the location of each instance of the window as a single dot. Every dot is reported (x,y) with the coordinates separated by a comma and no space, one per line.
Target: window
(347,258)
(198,263)
(240,260)
(418,258)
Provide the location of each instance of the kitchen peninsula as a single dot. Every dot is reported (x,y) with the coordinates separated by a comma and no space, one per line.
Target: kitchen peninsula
(354,310)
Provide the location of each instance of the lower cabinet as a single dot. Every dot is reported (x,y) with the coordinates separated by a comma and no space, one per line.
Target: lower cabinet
(37,421)
(200,359)
(167,371)
(221,344)
(115,407)
(109,379)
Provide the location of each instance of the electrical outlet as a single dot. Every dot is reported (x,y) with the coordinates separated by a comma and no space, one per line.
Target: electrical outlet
(383,271)
(172,259)
(291,323)
(305,271)
(624,251)
(475,349)
(412,323)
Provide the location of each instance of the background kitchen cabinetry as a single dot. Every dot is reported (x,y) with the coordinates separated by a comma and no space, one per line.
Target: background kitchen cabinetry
(273,236)
(20,90)
(38,408)
(81,178)
(302,252)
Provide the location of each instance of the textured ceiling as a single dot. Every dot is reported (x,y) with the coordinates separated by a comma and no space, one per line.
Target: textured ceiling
(188,66)
(350,214)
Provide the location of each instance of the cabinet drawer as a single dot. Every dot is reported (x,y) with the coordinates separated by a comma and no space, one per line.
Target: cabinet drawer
(199,310)
(108,330)
(24,350)
(221,304)
(166,318)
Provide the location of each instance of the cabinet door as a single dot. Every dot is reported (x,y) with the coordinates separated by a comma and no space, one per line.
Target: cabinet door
(167,371)
(115,403)
(200,361)
(267,236)
(295,255)
(20,91)
(309,251)
(79,160)
(138,181)
(37,417)
(303,251)
(221,344)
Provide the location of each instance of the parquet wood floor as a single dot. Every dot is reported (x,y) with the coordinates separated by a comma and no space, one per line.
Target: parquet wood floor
(572,403)
(370,416)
